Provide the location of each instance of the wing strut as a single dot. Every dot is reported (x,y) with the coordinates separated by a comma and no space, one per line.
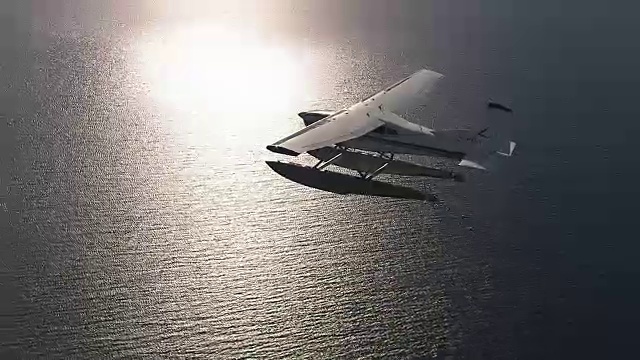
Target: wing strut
(368,174)
(377,171)
(323,164)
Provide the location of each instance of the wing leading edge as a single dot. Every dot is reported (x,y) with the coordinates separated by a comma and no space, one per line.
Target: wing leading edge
(341,126)
(360,118)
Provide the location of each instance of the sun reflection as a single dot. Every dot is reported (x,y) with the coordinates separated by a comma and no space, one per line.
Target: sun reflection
(207,69)
(222,93)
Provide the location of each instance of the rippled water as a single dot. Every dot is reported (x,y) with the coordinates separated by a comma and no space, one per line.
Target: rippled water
(140,220)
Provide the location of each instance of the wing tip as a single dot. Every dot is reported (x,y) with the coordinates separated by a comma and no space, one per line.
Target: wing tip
(282,150)
(498,106)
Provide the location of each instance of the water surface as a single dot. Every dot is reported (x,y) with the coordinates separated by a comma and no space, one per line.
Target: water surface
(139,218)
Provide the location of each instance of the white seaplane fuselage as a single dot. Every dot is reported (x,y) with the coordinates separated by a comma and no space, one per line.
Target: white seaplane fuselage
(374,125)
(451,144)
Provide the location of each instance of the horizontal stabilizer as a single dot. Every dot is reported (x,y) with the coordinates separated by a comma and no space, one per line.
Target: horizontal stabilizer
(472,164)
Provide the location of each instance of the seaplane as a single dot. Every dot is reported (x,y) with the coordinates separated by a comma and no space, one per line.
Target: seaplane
(365,138)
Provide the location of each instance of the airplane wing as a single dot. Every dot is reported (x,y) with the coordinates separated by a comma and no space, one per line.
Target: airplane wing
(408,92)
(341,126)
(360,118)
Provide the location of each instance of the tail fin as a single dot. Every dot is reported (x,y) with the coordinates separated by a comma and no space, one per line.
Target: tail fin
(512,146)
(491,145)
(482,160)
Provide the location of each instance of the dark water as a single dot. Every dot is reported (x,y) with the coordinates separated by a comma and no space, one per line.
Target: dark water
(139,219)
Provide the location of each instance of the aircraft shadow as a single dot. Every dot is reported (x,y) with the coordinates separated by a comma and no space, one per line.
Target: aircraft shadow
(344,184)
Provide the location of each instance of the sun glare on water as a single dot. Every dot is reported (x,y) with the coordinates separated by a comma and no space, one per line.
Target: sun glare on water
(220,88)
(221,96)
(216,70)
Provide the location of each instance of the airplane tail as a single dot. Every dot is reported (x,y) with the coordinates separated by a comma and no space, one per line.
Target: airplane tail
(483,159)
(512,146)
(491,147)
